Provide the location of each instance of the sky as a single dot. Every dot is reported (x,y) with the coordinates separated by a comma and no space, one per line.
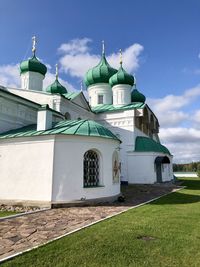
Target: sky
(160,41)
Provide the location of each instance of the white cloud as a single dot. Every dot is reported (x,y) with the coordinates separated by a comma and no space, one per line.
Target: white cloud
(10,77)
(175,102)
(196,116)
(183,143)
(184,152)
(77,65)
(50,78)
(169,108)
(76,58)
(180,135)
(130,58)
(75,46)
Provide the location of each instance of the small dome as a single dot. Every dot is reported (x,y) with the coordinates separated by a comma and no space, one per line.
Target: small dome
(56,88)
(122,77)
(33,64)
(99,74)
(136,96)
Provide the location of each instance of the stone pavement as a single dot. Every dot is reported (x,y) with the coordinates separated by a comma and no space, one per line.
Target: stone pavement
(24,232)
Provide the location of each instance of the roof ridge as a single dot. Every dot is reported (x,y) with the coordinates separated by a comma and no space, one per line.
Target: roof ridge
(89,129)
(80,126)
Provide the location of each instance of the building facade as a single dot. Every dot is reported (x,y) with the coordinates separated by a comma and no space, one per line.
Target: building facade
(56,147)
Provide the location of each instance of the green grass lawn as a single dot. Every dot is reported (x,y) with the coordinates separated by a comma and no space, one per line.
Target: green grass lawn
(163,233)
(7,213)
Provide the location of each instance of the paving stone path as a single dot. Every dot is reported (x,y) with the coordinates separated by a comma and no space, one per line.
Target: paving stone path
(24,232)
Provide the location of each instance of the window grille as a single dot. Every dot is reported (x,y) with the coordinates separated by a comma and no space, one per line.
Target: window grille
(91,169)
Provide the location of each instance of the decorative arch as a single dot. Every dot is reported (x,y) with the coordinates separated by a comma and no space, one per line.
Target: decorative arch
(67,116)
(159,161)
(116,167)
(91,168)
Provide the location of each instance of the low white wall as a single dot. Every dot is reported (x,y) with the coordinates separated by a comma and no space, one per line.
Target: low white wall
(141,168)
(41,169)
(186,174)
(68,168)
(26,169)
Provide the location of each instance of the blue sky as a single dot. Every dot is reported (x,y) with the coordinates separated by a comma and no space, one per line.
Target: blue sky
(166,61)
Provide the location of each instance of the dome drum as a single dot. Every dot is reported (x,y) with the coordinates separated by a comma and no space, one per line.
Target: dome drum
(121,94)
(100,94)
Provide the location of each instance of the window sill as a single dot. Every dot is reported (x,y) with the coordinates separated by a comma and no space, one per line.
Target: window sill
(98,186)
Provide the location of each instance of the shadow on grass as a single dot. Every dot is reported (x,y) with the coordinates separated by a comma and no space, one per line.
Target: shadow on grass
(192,184)
(177,198)
(180,197)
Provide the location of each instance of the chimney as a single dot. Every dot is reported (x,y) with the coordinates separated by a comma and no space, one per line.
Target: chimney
(44,118)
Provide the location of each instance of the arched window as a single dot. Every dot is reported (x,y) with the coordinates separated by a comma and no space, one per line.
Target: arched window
(67,116)
(91,169)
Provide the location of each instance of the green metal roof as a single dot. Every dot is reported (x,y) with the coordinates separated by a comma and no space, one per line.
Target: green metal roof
(100,73)
(72,127)
(71,95)
(121,77)
(56,88)
(109,108)
(146,144)
(33,64)
(136,96)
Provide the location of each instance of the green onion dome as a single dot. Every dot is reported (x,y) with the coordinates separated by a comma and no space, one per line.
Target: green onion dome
(99,74)
(136,96)
(33,64)
(121,77)
(56,88)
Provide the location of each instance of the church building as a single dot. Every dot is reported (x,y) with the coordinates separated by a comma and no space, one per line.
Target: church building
(57,147)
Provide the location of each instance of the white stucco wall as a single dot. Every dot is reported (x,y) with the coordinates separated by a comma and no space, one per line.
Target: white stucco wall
(68,168)
(55,102)
(121,94)
(32,80)
(103,89)
(26,169)
(122,124)
(141,168)
(40,170)
(15,114)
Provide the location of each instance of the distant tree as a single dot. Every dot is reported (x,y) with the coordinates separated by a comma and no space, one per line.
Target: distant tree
(194,166)
(187,167)
(198,171)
